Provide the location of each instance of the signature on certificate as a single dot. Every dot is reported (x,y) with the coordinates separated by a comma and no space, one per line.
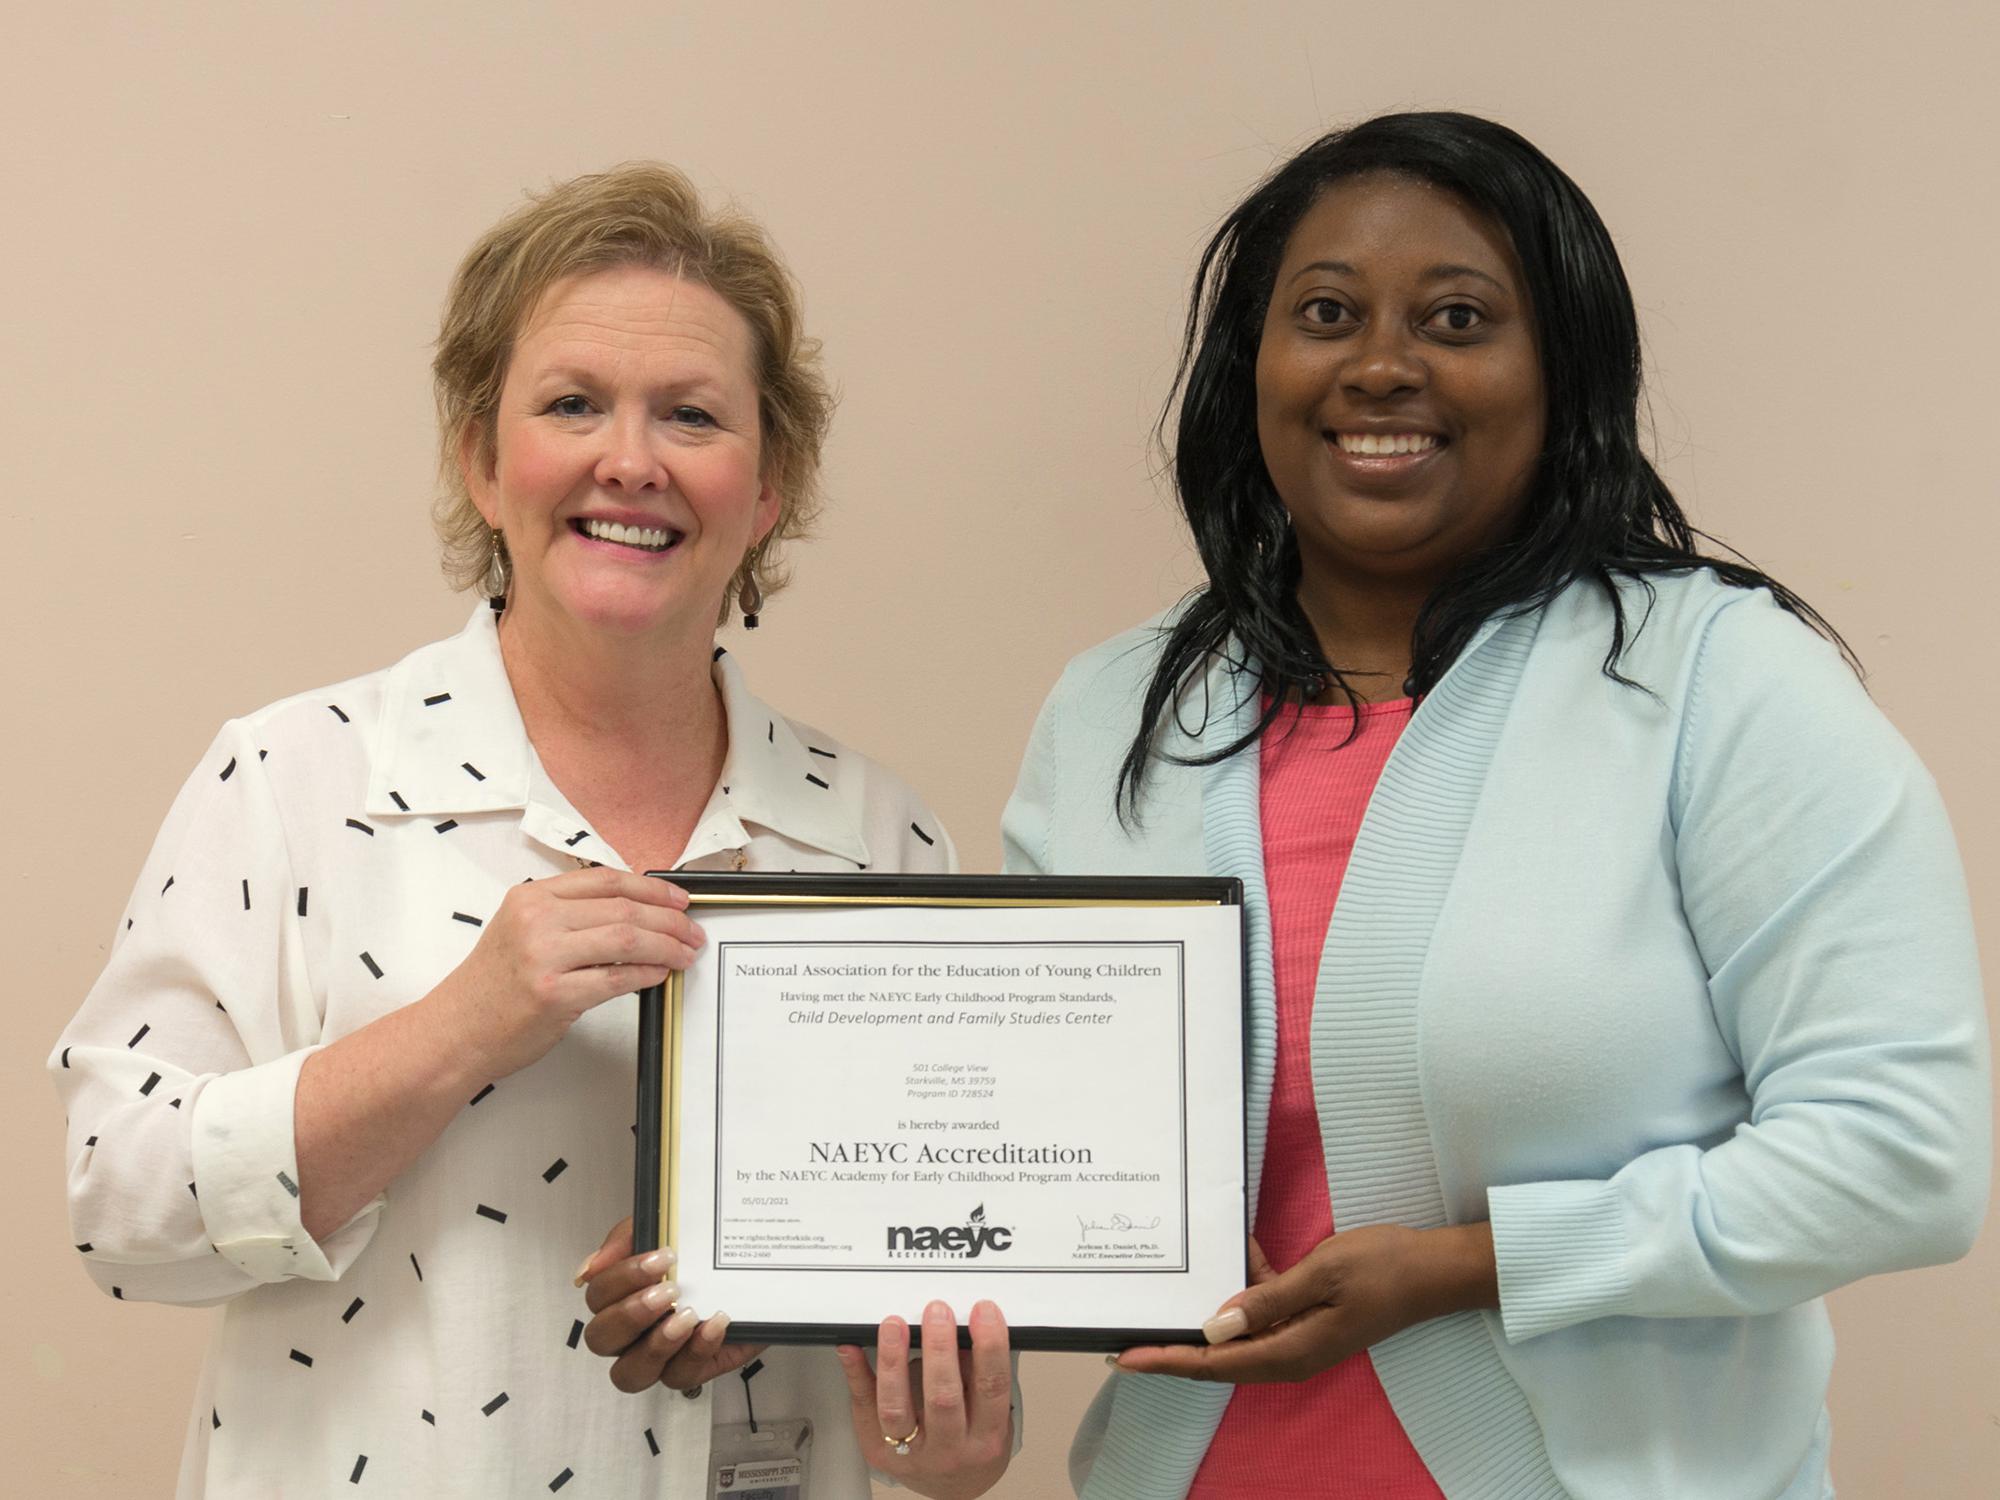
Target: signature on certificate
(1116,1224)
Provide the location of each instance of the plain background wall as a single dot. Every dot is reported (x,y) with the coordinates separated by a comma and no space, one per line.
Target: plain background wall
(229,227)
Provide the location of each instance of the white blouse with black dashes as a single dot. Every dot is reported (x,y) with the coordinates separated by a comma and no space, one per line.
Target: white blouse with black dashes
(331,858)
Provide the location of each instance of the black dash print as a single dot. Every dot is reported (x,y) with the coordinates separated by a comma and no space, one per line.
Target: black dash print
(447,825)
(352,1308)
(718,654)
(652,1442)
(168,886)
(262,753)
(173,1104)
(337,713)
(373,967)
(560,1480)
(815,780)
(84,1248)
(492,1213)
(65,1057)
(725,791)
(285,1182)
(921,834)
(91,1142)
(430,1419)
(575,1332)
(359,1464)
(415,1267)
(578,837)
(481,1094)
(128,924)
(152,1082)
(214,1417)
(118,1292)
(302,900)
(771,731)
(495,1404)
(471,770)
(193,1194)
(304,1359)
(815,750)
(357,823)
(139,1035)
(459,916)
(556,1169)
(397,798)
(246,895)
(436,698)
(228,770)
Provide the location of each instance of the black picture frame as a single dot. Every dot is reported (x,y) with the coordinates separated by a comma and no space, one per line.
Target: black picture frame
(742,887)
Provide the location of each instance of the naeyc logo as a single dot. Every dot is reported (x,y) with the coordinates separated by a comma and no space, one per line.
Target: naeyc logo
(958,1242)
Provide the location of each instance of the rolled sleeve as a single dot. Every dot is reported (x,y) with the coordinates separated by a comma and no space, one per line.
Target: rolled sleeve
(179,1073)
(247,1171)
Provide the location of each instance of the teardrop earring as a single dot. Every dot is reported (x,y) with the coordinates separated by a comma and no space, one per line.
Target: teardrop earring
(750,594)
(494,581)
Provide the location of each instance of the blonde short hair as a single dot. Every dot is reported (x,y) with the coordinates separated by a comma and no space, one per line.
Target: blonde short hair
(647,214)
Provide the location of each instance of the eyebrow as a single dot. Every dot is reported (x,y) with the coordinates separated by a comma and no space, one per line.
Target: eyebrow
(1446,272)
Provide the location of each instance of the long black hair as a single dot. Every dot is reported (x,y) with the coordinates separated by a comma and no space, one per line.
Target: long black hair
(1595,507)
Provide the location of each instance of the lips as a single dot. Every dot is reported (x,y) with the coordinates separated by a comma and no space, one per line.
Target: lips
(654,539)
(1381,458)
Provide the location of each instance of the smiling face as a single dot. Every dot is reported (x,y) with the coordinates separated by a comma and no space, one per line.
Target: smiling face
(1400,405)
(624,467)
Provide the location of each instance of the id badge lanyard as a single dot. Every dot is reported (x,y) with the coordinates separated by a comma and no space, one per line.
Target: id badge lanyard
(760,1461)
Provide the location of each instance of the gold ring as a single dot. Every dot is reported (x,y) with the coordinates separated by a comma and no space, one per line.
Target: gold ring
(902,1444)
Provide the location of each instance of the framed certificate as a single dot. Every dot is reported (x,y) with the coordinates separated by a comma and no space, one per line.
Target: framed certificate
(870,1091)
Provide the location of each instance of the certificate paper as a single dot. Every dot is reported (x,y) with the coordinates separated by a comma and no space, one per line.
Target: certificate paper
(883,1104)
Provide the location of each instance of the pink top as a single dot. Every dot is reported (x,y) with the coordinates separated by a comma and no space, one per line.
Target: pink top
(1335,1436)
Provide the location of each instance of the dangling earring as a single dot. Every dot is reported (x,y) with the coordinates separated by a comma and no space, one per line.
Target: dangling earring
(494,580)
(750,596)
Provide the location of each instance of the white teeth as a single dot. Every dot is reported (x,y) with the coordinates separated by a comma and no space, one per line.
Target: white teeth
(649,538)
(1385,442)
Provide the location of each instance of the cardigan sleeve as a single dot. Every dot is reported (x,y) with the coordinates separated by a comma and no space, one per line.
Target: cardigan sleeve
(178,1073)
(1823,890)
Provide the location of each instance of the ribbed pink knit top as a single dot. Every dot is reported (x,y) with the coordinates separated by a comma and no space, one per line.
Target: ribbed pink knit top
(1334,1437)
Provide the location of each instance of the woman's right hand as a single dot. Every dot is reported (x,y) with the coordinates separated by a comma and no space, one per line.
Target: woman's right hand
(637,1325)
(555,949)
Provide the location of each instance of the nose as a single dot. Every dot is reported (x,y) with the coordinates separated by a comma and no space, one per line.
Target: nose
(631,456)
(1385,361)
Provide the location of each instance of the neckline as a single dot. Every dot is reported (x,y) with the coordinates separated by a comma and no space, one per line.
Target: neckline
(1402,706)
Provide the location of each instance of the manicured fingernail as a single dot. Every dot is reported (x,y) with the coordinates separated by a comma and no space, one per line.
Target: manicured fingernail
(1225,1325)
(716,1327)
(659,1263)
(940,1312)
(583,1271)
(660,1298)
(985,1312)
(678,1325)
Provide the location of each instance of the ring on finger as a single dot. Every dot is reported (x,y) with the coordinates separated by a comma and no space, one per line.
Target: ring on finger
(901,1445)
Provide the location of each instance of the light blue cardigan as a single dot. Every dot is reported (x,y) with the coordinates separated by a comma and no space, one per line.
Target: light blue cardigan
(1677,987)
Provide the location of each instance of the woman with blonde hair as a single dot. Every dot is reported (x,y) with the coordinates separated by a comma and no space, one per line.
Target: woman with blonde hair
(359,1065)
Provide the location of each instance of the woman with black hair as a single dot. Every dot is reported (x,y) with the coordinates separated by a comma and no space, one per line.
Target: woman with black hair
(1648,1010)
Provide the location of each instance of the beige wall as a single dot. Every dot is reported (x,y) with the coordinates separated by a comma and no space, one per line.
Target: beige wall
(226,238)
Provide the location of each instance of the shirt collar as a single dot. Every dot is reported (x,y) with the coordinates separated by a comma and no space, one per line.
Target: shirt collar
(451,741)
(774,778)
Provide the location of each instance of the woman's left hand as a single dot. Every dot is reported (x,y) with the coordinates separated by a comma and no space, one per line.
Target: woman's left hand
(1350,1292)
(959,1441)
